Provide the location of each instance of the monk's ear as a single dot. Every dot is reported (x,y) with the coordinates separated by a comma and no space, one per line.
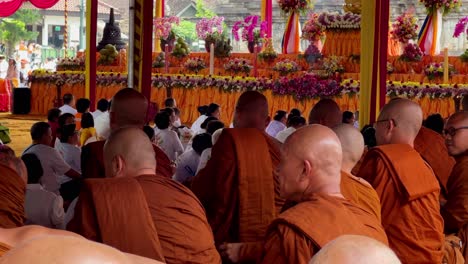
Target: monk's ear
(118,166)
(307,170)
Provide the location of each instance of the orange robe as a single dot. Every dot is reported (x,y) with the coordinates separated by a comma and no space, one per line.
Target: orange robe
(455,210)
(463,234)
(301,231)
(409,195)
(361,193)
(92,161)
(238,186)
(12,194)
(4,248)
(432,148)
(153,217)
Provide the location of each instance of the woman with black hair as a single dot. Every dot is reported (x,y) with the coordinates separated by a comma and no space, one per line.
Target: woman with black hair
(278,123)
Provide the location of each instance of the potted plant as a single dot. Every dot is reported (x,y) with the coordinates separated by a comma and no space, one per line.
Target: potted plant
(411,54)
(253,32)
(210,30)
(163,31)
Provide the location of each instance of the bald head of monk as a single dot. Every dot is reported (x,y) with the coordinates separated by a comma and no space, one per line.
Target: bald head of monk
(350,249)
(352,144)
(66,249)
(310,163)
(128,152)
(456,134)
(9,159)
(326,112)
(129,108)
(399,122)
(251,111)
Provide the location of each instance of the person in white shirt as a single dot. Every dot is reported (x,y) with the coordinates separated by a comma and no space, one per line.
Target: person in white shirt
(277,124)
(102,107)
(52,162)
(177,122)
(348,118)
(213,110)
(63,120)
(167,139)
(3,67)
(68,104)
(187,163)
(42,207)
(102,124)
(206,154)
(294,123)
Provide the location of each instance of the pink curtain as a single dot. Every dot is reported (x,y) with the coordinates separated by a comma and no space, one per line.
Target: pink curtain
(9,7)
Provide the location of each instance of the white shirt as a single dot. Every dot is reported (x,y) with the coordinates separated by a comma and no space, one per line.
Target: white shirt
(102,125)
(68,109)
(170,143)
(52,164)
(3,69)
(283,135)
(196,125)
(43,208)
(177,123)
(204,158)
(70,213)
(187,165)
(96,114)
(72,156)
(275,127)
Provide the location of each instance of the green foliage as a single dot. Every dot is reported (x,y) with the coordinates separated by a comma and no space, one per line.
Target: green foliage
(186,30)
(13,29)
(203,11)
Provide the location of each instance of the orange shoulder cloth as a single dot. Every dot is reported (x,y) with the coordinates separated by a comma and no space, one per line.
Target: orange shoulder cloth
(404,163)
(4,248)
(123,216)
(12,195)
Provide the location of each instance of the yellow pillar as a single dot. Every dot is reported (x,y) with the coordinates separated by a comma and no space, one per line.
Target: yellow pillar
(158,13)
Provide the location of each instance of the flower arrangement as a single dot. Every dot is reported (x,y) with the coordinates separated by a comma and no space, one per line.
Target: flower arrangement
(405,28)
(333,65)
(411,53)
(436,70)
(222,47)
(335,21)
(66,64)
(421,90)
(289,6)
(195,65)
(307,86)
(312,54)
(163,26)
(268,53)
(461,27)
(238,66)
(313,30)
(286,67)
(252,30)
(446,5)
(160,61)
(209,27)
(390,68)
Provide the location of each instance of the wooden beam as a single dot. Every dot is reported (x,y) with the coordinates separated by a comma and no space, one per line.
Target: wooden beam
(90,70)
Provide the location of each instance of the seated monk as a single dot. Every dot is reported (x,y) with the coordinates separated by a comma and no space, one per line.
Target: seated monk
(238,187)
(13,178)
(432,148)
(67,249)
(326,113)
(455,210)
(407,186)
(310,175)
(167,221)
(351,249)
(353,188)
(128,108)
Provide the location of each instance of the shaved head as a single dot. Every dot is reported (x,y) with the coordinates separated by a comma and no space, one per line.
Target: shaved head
(67,249)
(251,111)
(128,152)
(9,159)
(456,133)
(310,163)
(352,143)
(399,122)
(350,249)
(326,112)
(128,108)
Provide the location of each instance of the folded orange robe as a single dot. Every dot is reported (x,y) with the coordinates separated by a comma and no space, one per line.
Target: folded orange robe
(361,193)
(409,195)
(455,210)
(238,187)
(12,193)
(432,148)
(301,231)
(92,161)
(4,248)
(463,235)
(157,216)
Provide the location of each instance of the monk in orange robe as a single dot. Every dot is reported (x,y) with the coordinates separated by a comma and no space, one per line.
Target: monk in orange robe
(238,187)
(432,148)
(310,174)
(13,178)
(128,108)
(354,188)
(407,186)
(326,112)
(455,210)
(167,221)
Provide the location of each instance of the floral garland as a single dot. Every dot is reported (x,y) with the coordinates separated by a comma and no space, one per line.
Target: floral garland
(420,90)
(446,5)
(313,30)
(163,26)
(405,28)
(250,32)
(335,21)
(289,6)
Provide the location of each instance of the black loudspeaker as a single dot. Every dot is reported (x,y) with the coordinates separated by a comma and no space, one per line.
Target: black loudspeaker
(21,101)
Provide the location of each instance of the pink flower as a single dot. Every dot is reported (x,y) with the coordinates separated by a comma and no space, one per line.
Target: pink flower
(461,27)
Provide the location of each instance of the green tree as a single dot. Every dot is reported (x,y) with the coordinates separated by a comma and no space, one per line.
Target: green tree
(203,11)
(13,28)
(186,30)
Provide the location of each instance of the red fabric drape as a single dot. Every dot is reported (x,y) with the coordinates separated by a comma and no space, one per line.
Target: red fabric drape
(9,7)
(43,3)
